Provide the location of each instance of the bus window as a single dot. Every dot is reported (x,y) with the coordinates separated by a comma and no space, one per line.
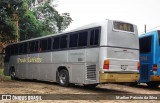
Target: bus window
(7,54)
(94,37)
(15,49)
(36,46)
(63,42)
(33,46)
(73,40)
(12,49)
(56,42)
(43,44)
(20,48)
(159,37)
(25,48)
(83,36)
(49,43)
(145,44)
(123,26)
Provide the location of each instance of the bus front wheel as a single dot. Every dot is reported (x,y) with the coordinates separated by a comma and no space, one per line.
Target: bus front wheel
(152,84)
(63,78)
(13,74)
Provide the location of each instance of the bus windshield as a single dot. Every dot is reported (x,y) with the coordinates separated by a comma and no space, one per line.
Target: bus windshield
(145,44)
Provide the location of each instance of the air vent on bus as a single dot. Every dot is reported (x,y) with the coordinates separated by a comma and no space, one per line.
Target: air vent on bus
(91,72)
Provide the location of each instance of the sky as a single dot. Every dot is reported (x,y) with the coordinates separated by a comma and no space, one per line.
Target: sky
(138,12)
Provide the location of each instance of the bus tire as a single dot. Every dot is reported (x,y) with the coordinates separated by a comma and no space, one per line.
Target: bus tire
(13,74)
(152,84)
(63,78)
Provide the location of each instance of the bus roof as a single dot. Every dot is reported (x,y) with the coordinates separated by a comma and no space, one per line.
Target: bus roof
(96,24)
(92,25)
(148,33)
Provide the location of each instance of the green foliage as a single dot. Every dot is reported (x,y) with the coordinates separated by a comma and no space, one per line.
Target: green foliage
(7,27)
(52,21)
(29,26)
(42,20)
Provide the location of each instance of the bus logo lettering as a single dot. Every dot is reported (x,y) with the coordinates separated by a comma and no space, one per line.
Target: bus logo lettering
(29,60)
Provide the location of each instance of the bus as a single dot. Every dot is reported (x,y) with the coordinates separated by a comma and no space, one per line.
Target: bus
(101,52)
(150,58)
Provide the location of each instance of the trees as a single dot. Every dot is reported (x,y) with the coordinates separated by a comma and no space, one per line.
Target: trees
(52,21)
(29,26)
(42,20)
(7,26)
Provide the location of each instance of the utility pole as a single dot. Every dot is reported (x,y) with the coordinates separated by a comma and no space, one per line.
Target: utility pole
(145,28)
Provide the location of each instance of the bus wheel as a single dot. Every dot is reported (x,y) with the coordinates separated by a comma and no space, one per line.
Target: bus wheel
(152,84)
(63,78)
(13,74)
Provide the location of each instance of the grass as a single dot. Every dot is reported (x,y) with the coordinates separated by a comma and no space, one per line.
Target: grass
(3,76)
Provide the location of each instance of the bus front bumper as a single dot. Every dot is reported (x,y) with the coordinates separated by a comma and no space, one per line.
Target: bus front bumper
(118,77)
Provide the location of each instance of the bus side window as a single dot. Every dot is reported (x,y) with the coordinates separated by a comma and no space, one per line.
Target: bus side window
(63,41)
(159,36)
(7,54)
(73,40)
(12,50)
(49,43)
(31,47)
(25,48)
(83,37)
(36,46)
(20,48)
(56,42)
(15,49)
(43,44)
(94,37)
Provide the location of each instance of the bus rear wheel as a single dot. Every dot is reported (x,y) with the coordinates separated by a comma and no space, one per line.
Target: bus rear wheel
(152,84)
(63,78)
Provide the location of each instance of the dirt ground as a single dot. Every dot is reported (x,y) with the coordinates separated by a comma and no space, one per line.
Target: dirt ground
(37,87)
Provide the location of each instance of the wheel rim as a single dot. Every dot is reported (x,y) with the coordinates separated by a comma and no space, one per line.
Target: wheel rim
(62,78)
(13,74)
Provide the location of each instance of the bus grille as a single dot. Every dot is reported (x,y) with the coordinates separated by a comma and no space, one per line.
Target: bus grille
(144,72)
(91,72)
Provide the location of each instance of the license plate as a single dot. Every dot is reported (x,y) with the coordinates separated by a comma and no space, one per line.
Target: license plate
(124,67)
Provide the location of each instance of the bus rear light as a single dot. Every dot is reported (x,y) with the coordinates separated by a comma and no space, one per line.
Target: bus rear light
(106,64)
(154,67)
(138,66)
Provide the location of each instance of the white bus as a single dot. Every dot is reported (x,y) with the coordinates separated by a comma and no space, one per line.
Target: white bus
(101,52)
